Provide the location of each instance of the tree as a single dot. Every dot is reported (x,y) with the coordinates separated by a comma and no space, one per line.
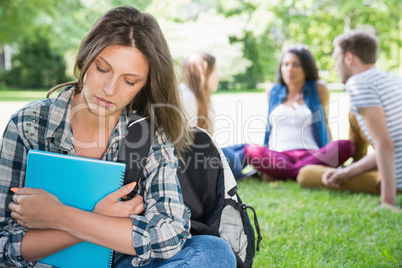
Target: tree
(36,66)
(195,25)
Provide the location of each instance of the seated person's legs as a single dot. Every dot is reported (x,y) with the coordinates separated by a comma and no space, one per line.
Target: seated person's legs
(199,251)
(310,176)
(334,154)
(234,157)
(277,164)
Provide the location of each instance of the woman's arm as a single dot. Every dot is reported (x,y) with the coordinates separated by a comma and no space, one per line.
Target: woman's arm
(268,91)
(13,154)
(323,95)
(165,222)
(37,244)
(164,227)
(54,226)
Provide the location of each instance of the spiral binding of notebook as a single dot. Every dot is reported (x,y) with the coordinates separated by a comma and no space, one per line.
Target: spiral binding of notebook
(110,259)
(122,174)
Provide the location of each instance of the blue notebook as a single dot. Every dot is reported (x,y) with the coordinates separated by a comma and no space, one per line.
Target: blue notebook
(79,182)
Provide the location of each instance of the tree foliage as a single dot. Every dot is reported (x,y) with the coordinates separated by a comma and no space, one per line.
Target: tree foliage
(36,66)
(246,36)
(272,25)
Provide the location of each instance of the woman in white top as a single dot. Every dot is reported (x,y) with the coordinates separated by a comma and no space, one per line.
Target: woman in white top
(297,132)
(200,80)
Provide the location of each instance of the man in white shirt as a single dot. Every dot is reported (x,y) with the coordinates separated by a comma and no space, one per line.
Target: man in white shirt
(376,100)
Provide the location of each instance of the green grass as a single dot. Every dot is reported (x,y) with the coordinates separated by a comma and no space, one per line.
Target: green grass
(321,228)
(22,95)
(310,228)
(234,91)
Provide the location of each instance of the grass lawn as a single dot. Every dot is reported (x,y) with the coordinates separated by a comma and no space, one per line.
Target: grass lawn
(22,95)
(321,228)
(311,228)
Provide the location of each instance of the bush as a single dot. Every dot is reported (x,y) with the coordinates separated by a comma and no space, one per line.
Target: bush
(36,66)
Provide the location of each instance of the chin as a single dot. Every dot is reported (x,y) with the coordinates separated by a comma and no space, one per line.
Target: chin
(102,112)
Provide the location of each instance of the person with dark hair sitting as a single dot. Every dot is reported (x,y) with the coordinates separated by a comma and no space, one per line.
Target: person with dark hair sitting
(297,133)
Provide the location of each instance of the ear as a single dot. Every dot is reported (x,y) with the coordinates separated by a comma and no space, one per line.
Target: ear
(349,58)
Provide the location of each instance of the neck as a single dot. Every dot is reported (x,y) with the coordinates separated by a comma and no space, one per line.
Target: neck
(295,88)
(362,68)
(93,125)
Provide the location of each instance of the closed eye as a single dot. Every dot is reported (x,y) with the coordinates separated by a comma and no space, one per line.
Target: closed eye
(129,83)
(100,70)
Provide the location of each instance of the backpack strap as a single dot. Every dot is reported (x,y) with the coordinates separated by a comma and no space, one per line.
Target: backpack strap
(135,149)
(256,224)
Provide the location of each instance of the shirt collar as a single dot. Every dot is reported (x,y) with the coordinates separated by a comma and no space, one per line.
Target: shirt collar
(120,131)
(59,126)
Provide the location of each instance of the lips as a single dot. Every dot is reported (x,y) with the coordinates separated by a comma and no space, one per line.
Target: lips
(104,103)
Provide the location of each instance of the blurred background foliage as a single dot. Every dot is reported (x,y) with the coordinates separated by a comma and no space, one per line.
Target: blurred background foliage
(246,36)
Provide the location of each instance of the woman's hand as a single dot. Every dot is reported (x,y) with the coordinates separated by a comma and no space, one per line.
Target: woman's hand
(111,206)
(333,177)
(35,208)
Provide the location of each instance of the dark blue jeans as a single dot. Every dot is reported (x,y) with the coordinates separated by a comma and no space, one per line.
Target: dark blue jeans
(234,156)
(199,251)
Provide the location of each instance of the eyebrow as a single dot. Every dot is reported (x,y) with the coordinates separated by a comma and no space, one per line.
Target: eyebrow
(137,75)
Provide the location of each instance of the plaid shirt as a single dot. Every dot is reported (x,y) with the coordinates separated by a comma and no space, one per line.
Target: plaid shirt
(158,233)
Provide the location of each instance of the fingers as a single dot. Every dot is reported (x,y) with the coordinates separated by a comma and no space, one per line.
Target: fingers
(122,191)
(25,191)
(13,206)
(325,176)
(333,177)
(18,218)
(332,180)
(137,204)
(112,206)
(329,178)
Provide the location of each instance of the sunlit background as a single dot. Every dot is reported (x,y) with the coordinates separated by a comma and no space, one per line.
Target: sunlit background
(39,38)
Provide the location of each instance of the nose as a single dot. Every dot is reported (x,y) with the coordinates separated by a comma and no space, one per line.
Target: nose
(288,68)
(110,88)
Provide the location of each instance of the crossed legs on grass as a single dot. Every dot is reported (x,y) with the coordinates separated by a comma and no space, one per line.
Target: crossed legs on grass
(199,251)
(367,182)
(234,157)
(287,164)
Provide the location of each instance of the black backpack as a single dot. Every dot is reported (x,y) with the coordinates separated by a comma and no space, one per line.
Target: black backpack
(207,184)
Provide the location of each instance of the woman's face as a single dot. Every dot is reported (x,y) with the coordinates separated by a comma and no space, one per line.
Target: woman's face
(113,80)
(291,69)
(213,81)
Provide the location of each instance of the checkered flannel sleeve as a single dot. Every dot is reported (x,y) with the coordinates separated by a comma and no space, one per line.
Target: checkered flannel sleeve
(12,173)
(164,227)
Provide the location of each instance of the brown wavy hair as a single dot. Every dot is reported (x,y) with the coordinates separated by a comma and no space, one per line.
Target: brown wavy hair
(159,98)
(361,42)
(198,67)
